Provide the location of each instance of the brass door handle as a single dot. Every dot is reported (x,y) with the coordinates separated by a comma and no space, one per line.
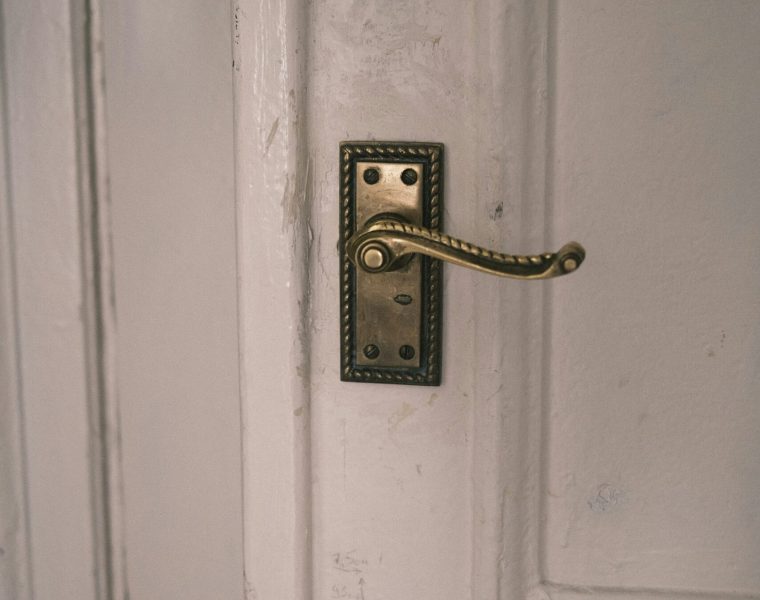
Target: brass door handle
(388,244)
(391,252)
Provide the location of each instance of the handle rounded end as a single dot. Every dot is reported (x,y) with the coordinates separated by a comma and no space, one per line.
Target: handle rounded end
(570,257)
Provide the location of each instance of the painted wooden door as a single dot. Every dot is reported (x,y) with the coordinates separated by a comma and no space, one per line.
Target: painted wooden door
(593,436)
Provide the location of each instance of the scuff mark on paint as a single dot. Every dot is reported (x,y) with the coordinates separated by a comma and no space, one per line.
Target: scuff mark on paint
(344,443)
(250,590)
(606,498)
(349,562)
(237,60)
(287,202)
(398,417)
(270,137)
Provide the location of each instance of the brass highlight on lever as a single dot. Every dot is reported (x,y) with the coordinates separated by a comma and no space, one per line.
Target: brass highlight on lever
(382,245)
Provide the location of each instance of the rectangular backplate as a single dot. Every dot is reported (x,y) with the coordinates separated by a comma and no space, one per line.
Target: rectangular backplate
(391,321)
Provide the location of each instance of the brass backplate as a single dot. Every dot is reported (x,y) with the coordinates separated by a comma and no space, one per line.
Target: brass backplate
(390,321)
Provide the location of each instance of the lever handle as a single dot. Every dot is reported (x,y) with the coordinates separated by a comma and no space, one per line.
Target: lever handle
(388,245)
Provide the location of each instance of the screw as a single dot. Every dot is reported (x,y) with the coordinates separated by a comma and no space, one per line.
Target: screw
(371,351)
(406,352)
(374,257)
(409,176)
(371,176)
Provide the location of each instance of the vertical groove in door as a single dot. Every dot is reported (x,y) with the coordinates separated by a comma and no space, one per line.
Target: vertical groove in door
(48,171)
(82,152)
(99,325)
(546,355)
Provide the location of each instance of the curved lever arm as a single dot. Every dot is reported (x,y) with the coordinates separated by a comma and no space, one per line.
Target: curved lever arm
(388,245)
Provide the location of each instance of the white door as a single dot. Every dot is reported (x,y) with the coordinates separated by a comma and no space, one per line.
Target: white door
(593,435)
(596,435)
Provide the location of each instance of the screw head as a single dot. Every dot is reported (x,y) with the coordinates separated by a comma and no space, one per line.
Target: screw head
(371,351)
(406,352)
(373,258)
(409,176)
(371,176)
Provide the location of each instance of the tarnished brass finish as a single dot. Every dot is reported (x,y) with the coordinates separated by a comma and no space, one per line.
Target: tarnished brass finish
(381,321)
(391,251)
(390,320)
(392,241)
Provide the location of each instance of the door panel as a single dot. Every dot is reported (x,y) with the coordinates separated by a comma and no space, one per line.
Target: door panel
(592,434)
(388,491)
(169,107)
(408,486)
(653,429)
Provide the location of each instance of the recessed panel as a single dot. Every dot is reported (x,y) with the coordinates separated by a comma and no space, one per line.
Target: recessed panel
(653,433)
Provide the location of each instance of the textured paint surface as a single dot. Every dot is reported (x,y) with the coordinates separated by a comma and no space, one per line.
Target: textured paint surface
(273,175)
(525,474)
(407,495)
(53,553)
(170,154)
(653,433)
(405,487)
(15,563)
(421,487)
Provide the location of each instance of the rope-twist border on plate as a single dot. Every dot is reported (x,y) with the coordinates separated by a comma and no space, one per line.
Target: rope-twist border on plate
(432,155)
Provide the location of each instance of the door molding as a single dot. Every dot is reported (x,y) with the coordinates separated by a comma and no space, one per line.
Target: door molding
(272,174)
(64,480)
